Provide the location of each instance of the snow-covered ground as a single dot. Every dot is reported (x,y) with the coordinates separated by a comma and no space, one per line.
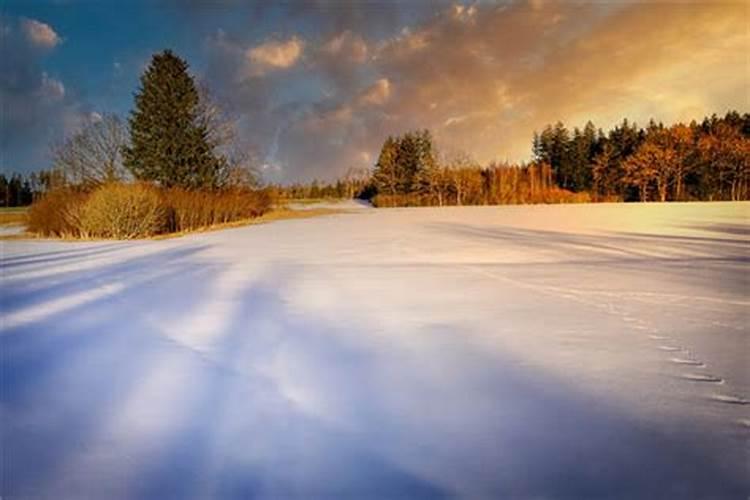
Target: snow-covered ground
(582,351)
(11,229)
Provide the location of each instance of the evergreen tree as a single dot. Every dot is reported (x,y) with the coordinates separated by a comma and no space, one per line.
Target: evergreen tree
(427,165)
(169,141)
(560,158)
(408,162)
(385,175)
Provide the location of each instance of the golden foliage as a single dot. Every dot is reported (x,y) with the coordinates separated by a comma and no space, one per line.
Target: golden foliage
(126,211)
(123,211)
(57,213)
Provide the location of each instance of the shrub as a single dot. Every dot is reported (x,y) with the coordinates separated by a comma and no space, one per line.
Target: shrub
(522,196)
(57,213)
(190,210)
(402,200)
(123,211)
(126,211)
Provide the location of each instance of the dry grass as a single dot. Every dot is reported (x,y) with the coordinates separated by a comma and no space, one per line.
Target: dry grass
(279,214)
(191,210)
(272,216)
(128,211)
(13,216)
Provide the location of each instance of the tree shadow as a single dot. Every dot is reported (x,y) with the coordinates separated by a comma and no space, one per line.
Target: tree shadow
(242,436)
(58,256)
(102,401)
(62,371)
(730,229)
(711,261)
(24,292)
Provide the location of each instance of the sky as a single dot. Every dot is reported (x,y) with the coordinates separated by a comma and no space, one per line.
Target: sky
(316,86)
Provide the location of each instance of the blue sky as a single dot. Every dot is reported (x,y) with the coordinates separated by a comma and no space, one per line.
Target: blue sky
(316,86)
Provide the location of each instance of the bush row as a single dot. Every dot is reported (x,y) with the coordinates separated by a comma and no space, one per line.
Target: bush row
(551,196)
(126,211)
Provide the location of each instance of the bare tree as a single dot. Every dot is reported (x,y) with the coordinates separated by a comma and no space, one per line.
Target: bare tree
(240,160)
(728,153)
(355,180)
(463,172)
(93,155)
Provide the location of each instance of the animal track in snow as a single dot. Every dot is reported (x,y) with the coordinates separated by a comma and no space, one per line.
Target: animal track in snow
(732,400)
(702,377)
(689,362)
(670,348)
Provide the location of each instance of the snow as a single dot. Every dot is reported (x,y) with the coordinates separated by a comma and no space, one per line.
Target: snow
(11,229)
(580,351)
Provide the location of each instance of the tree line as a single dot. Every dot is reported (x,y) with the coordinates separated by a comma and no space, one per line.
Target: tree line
(355,183)
(709,160)
(410,172)
(19,190)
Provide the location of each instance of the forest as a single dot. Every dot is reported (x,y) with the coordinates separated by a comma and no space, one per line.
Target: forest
(709,161)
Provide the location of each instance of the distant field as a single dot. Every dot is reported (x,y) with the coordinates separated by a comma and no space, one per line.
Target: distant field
(13,215)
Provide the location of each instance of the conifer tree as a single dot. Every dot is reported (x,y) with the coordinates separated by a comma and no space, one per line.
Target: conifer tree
(169,141)
(385,175)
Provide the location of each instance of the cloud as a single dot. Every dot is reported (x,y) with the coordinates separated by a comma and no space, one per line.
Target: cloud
(377,93)
(347,46)
(485,77)
(482,76)
(38,109)
(51,88)
(275,54)
(40,34)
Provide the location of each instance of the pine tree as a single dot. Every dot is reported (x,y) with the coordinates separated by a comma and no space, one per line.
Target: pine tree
(427,166)
(408,162)
(169,141)
(385,175)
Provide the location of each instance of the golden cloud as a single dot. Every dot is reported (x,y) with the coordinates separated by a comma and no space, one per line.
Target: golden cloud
(40,34)
(275,54)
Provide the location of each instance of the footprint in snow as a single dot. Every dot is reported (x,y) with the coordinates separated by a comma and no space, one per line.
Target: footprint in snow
(669,348)
(702,377)
(732,400)
(689,362)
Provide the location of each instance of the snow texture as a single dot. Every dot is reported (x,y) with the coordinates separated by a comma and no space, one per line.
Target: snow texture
(581,351)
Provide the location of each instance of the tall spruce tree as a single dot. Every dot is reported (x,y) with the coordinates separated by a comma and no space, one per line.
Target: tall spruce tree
(386,176)
(169,140)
